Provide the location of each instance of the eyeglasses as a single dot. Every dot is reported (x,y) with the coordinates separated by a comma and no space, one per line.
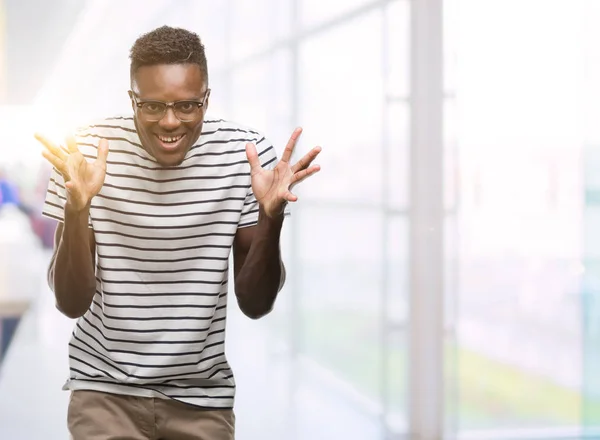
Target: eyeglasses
(185,111)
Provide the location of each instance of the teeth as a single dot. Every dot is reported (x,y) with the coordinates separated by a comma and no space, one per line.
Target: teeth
(169,139)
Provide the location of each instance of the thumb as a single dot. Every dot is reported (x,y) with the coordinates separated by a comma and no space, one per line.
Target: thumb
(102,152)
(252,156)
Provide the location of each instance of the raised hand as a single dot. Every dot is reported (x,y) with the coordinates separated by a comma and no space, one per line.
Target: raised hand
(272,188)
(83,179)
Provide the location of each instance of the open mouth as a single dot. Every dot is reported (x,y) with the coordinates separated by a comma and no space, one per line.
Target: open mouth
(170,142)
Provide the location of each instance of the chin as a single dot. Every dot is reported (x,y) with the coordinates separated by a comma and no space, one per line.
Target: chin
(171,160)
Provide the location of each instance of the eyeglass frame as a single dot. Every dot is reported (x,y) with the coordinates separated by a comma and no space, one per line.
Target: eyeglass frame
(139,103)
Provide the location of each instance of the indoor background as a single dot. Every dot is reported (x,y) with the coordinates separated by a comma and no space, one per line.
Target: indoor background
(443,267)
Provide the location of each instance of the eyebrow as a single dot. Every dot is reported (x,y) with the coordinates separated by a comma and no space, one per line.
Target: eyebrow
(158,100)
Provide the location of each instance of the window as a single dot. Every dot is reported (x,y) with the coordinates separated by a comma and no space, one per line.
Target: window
(261,98)
(341,108)
(519,224)
(314,12)
(397,45)
(590,286)
(256,25)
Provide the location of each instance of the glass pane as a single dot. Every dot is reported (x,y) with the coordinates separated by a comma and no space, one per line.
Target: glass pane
(505,91)
(520,226)
(591,291)
(262,97)
(279,96)
(398,155)
(282,14)
(396,268)
(341,292)
(352,331)
(250,26)
(451,169)
(395,314)
(591,320)
(313,12)
(396,364)
(345,116)
(591,278)
(451,34)
(249,89)
(255,26)
(591,61)
(206,19)
(518,316)
(451,297)
(397,30)
(341,344)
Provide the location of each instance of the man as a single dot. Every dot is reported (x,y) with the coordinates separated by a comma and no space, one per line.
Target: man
(141,250)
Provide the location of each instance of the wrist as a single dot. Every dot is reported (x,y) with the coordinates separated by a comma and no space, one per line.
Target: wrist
(274,218)
(273,212)
(77,213)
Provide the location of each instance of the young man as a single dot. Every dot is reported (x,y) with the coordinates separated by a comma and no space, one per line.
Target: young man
(141,250)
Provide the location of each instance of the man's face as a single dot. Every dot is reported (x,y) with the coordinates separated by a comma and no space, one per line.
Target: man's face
(169,139)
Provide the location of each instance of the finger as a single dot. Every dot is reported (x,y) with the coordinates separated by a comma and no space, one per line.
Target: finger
(102,153)
(54,149)
(252,156)
(304,174)
(72,144)
(289,148)
(72,189)
(290,197)
(71,186)
(56,162)
(306,160)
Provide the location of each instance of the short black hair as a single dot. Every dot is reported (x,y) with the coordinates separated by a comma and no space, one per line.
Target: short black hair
(168,45)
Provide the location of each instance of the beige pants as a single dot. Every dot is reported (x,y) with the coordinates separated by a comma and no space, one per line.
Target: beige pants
(101,416)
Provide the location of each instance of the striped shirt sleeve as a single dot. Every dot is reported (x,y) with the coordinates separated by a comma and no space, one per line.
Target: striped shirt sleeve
(56,197)
(268,160)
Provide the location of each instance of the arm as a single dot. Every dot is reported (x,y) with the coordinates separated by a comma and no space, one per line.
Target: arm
(258,270)
(71,274)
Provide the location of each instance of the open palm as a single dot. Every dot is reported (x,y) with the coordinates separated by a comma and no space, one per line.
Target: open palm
(273,188)
(83,180)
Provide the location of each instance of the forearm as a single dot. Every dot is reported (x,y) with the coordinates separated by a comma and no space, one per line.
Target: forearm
(72,274)
(262,274)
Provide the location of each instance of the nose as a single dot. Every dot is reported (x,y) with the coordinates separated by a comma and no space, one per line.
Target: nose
(169,121)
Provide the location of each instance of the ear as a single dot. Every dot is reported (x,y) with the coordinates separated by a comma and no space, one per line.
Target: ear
(130,93)
(207,100)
